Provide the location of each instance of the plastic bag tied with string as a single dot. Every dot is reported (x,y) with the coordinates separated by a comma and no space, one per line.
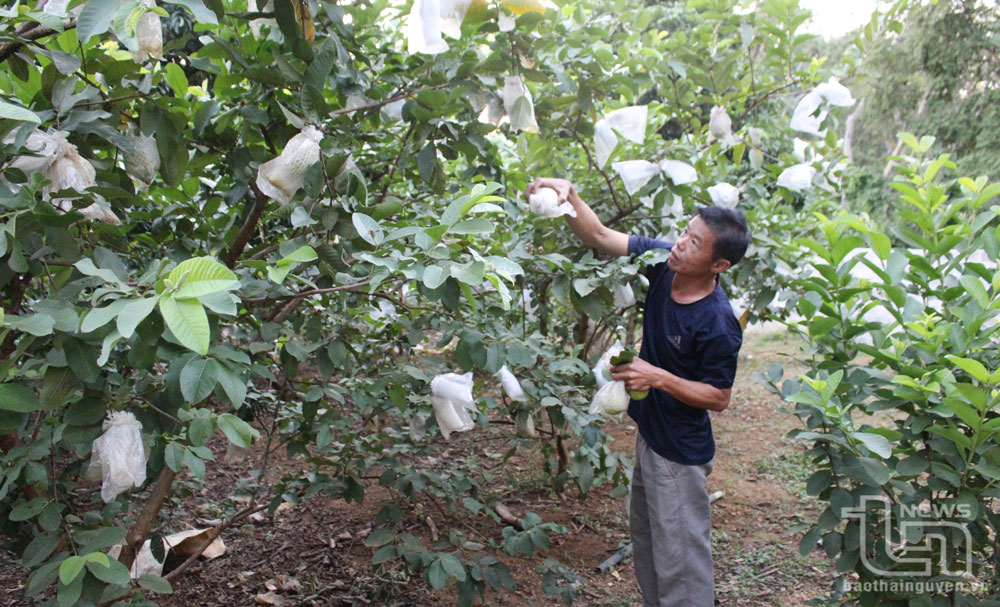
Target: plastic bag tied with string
(148,35)
(451,396)
(635,173)
(118,455)
(797,177)
(280,178)
(724,195)
(61,164)
(679,172)
(630,122)
(511,386)
(720,126)
(611,399)
(544,202)
(518,104)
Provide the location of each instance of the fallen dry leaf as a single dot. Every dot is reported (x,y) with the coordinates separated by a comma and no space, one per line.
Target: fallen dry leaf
(270,598)
(287,583)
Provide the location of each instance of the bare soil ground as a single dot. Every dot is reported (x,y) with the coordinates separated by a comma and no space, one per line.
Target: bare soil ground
(320,542)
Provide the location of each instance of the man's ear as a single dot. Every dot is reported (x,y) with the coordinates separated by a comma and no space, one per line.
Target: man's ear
(720,265)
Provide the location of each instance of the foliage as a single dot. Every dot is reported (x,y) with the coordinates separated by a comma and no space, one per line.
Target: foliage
(316,326)
(901,400)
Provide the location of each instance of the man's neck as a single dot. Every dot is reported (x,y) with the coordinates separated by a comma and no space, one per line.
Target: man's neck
(689,288)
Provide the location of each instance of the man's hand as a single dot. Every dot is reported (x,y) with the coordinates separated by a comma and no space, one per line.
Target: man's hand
(562,187)
(638,375)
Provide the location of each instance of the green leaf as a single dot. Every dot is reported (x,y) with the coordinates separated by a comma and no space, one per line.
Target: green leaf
(236,430)
(233,385)
(198,8)
(113,573)
(471,273)
(187,320)
(972,367)
(81,359)
(95,18)
(201,276)
(368,229)
(200,430)
(301,254)
(974,286)
(155,583)
(453,567)
(39,549)
(383,554)
(380,537)
(134,312)
(436,575)
(16,112)
(173,455)
(198,379)
(476,225)
(434,276)
(176,79)
(15,397)
(86,266)
(71,568)
(98,317)
(876,443)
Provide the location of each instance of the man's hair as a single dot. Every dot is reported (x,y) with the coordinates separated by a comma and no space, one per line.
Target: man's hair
(732,236)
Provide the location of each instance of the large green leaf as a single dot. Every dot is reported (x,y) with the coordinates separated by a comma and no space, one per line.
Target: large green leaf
(368,229)
(187,320)
(15,397)
(236,430)
(133,313)
(16,112)
(98,317)
(95,18)
(201,276)
(198,379)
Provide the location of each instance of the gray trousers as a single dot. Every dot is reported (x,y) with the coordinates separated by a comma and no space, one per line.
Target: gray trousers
(670,521)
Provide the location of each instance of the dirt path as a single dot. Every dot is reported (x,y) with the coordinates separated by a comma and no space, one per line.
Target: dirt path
(320,543)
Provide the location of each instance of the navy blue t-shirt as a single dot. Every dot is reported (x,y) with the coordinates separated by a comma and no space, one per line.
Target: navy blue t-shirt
(699,341)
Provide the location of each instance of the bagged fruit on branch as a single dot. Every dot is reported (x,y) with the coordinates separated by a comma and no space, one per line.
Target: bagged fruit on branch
(451,395)
(610,399)
(604,364)
(280,178)
(511,386)
(118,456)
(544,202)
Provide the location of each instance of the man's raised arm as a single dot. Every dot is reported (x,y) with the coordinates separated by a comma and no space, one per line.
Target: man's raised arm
(586,225)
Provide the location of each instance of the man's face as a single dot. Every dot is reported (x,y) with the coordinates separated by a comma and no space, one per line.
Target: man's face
(692,254)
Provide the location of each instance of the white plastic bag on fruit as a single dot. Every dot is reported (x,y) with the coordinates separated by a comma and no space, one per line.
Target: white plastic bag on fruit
(724,195)
(280,178)
(720,126)
(518,104)
(605,142)
(805,117)
(423,28)
(679,172)
(149,35)
(511,386)
(630,122)
(507,22)
(612,398)
(835,93)
(452,13)
(624,296)
(544,202)
(65,169)
(605,364)
(635,173)
(451,395)
(142,158)
(118,455)
(797,177)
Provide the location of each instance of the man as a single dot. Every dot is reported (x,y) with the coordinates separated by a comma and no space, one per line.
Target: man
(691,340)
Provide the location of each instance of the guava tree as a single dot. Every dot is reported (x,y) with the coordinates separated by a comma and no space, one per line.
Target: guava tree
(281,221)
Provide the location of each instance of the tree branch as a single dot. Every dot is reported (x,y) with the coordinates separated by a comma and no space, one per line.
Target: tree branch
(310,292)
(29,34)
(139,531)
(260,201)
